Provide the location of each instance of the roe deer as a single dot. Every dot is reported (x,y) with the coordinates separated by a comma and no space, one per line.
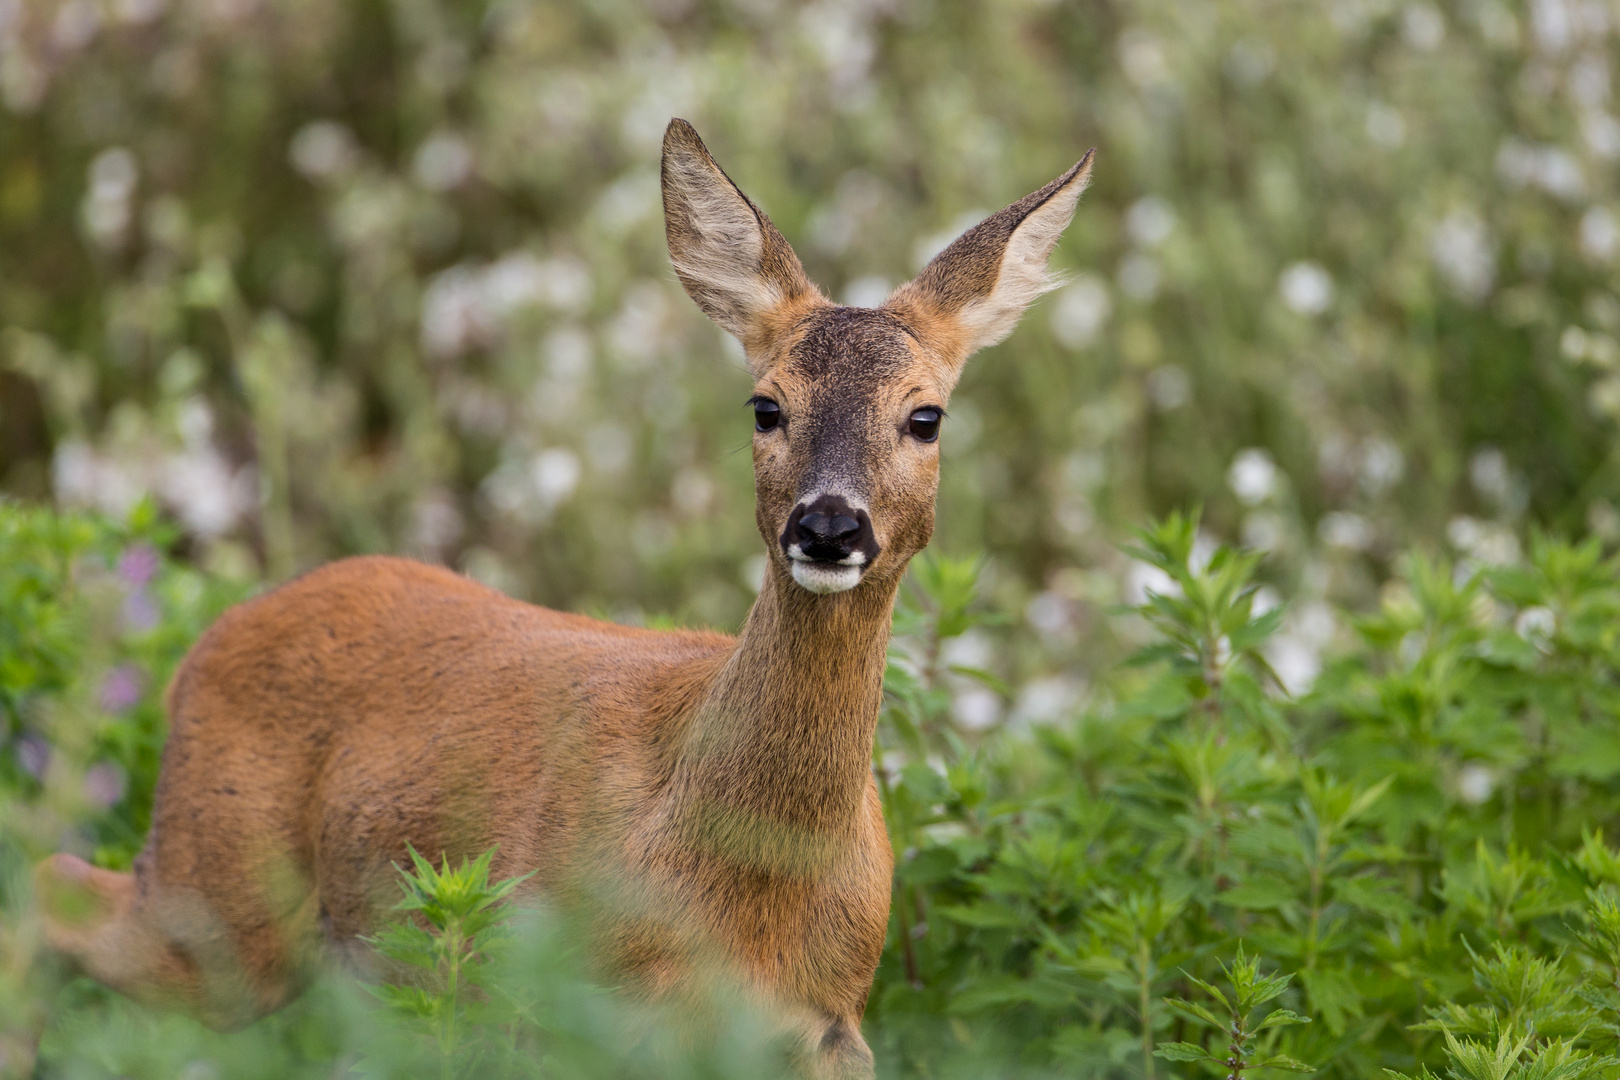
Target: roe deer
(694,795)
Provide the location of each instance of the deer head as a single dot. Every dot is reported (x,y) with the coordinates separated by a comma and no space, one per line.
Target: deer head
(848,402)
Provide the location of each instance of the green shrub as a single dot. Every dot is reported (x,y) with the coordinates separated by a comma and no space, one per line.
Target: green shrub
(1422,847)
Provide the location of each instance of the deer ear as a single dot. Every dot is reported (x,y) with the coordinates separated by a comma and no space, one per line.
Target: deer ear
(726,252)
(973,293)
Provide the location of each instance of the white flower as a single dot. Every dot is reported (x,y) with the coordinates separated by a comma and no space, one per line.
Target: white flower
(1306,288)
(1049,613)
(1385,126)
(1345,530)
(1463,253)
(1150,221)
(554,473)
(203,490)
(323,149)
(1139,277)
(1382,466)
(1253,476)
(443,162)
(1142,57)
(1599,234)
(1535,624)
(1045,701)
(1423,27)
(1142,579)
(867,292)
(1169,387)
(1475,783)
(107,211)
(1081,311)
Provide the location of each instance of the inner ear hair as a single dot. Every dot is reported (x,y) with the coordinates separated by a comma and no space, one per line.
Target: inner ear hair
(732,261)
(973,293)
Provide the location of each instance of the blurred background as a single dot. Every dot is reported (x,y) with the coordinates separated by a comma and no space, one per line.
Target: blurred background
(389,275)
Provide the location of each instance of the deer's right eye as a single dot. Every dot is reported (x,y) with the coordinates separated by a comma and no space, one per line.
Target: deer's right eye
(767,414)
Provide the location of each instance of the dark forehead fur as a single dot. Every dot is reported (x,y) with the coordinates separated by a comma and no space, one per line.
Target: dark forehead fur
(851,341)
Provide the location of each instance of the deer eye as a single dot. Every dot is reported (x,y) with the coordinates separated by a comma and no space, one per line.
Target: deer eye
(924,423)
(767,413)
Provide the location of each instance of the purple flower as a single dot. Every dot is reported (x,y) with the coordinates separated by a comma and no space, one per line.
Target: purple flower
(138,565)
(104,783)
(140,611)
(121,689)
(34,755)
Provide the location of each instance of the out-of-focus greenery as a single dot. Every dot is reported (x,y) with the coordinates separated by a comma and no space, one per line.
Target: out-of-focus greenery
(1421,847)
(389,275)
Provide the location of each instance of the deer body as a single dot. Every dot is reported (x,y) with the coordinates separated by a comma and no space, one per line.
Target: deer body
(705,802)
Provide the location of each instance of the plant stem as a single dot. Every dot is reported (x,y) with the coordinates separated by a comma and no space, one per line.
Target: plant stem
(1144,961)
(449,1033)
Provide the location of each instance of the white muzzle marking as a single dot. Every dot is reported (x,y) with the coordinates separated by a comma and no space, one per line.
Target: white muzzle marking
(824,577)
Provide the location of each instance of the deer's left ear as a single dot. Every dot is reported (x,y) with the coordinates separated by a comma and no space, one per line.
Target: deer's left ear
(973,293)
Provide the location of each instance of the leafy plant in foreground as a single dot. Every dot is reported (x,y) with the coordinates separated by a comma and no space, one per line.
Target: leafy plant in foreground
(465,919)
(1250,990)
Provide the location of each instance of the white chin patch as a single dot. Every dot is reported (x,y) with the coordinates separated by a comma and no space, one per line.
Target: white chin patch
(825,578)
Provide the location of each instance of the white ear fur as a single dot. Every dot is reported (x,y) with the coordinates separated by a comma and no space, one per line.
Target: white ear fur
(728,255)
(1024,274)
(973,293)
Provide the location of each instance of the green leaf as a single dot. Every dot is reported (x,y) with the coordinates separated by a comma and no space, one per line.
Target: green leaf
(1283,1061)
(1281,1018)
(1180,1051)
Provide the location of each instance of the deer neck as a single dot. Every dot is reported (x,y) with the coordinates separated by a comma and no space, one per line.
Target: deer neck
(776,764)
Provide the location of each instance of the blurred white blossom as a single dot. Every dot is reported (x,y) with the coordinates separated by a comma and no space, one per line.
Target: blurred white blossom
(1142,578)
(1150,221)
(76,24)
(1306,288)
(323,149)
(1551,168)
(1385,126)
(467,307)
(1142,57)
(1080,311)
(1382,465)
(1464,254)
(1483,542)
(1601,133)
(108,203)
(1139,277)
(1253,476)
(1475,783)
(1341,529)
(1169,387)
(443,162)
(867,292)
(1599,234)
(1047,700)
(1423,27)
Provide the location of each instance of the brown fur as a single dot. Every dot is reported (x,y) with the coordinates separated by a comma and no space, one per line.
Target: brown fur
(699,800)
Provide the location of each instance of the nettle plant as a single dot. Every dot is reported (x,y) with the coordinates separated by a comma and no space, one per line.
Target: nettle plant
(1422,846)
(1245,1035)
(460,917)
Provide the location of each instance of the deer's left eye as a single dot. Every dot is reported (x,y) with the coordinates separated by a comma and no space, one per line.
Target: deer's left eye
(924,423)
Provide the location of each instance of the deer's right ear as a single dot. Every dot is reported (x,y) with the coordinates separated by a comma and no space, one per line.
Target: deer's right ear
(972,294)
(726,252)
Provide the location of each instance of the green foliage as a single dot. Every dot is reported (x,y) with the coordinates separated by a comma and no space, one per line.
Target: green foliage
(464,922)
(1250,990)
(1422,842)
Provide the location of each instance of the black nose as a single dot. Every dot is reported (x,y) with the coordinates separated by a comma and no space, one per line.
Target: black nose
(829,529)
